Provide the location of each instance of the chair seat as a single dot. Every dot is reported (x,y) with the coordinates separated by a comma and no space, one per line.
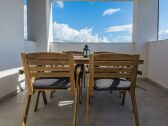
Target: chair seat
(112,84)
(56,83)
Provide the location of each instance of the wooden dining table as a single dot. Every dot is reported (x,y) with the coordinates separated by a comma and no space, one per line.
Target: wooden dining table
(81,60)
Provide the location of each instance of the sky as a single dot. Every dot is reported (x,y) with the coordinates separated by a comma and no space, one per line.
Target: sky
(163,20)
(93,21)
(102,22)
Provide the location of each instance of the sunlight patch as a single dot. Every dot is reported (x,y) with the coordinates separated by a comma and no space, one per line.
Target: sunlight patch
(65,103)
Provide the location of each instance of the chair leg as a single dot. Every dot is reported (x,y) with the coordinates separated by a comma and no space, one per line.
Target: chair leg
(75,109)
(37,101)
(24,119)
(83,75)
(134,105)
(123,97)
(44,97)
(132,102)
(51,94)
(84,83)
(88,109)
(120,94)
(80,93)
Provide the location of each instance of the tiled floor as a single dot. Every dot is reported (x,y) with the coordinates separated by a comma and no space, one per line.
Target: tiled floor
(105,109)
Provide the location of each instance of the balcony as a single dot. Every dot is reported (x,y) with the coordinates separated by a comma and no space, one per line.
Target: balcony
(152,102)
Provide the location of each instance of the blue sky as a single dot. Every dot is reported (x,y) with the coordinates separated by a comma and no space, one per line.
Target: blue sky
(163,21)
(97,16)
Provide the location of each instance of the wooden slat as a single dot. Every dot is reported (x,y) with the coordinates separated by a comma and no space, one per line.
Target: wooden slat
(103,52)
(112,75)
(113,57)
(74,53)
(113,63)
(51,74)
(48,62)
(46,56)
(110,70)
(72,69)
(49,68)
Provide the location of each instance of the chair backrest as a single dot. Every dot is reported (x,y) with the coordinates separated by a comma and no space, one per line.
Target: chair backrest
(113,65)
(77,53)
(100,52)
(47,65)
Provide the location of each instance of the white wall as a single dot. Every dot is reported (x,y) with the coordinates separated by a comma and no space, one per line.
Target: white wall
(4,85)
(11,33)
(29,46)
(11,43)
(158,62)
(8,81)
(117,47)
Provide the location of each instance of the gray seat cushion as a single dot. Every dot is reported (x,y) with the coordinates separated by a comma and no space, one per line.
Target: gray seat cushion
(53,83)
(112,84)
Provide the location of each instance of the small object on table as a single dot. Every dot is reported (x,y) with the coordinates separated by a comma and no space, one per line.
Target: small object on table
(86,51)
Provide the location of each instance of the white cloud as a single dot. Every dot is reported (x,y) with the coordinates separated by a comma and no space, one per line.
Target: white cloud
(163,32)
(25,22)
(120,28)
(123,39)
(60,4)
(64,33)
(111,11)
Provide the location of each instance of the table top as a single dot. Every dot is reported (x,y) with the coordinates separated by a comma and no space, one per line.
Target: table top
(81,60)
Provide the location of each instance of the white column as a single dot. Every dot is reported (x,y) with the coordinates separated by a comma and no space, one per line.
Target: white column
(39,20)
(145,27)
(49,22)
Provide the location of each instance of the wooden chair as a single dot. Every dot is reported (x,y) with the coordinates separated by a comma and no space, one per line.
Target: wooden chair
(118,69)
(49,71)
